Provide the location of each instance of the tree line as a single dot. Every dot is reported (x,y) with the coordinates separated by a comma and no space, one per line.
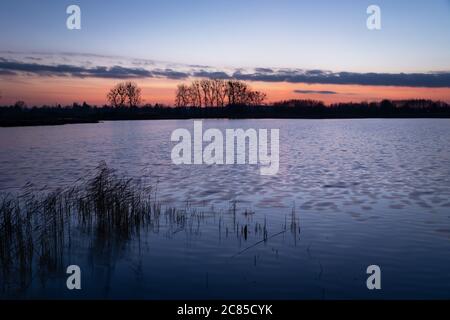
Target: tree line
(217,93)
(213,99)
(125,94)
(21,115)
(199,93)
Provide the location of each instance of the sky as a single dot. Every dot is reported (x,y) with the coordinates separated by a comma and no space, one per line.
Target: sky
(288,48)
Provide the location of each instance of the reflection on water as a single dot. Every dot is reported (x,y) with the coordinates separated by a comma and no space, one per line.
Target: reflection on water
(363,192)
(100,217)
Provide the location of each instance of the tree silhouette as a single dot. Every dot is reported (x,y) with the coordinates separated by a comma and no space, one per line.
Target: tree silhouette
(125,94)
(182,96)
(20,104)
(133,94)
(18,114)
(217,93)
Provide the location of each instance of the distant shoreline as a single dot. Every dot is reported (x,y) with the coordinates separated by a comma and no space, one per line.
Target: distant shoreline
(21,116)
(43,122)
(61,122)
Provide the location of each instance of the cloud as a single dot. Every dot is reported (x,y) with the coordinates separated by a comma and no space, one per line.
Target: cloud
(171,74)
(211,74)
(314,92)
(263,70)
(198,66)
(99,66)
(114,72)
(431,80)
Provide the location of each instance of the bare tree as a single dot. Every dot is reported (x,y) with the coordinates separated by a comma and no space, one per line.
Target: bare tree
(195,94)
(182,96)
(237,92)
(125,94)
(20,104)
(214,93)
(117,95)
(133,94)
(206,86)
(256,98)
(219,92)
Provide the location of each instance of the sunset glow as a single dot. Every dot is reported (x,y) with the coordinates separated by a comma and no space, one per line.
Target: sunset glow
(53,91)
(318,50)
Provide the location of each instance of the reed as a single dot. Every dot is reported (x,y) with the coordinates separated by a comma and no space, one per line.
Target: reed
(38,228)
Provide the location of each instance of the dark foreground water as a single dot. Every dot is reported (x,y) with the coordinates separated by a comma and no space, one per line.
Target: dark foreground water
(349,194)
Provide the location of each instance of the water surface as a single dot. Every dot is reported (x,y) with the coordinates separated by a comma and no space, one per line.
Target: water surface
(362,192)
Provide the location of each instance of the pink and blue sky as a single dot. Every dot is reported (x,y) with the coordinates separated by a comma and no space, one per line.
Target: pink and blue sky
(288,48)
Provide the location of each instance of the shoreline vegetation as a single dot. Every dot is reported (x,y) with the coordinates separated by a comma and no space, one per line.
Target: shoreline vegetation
(213,99)
(41,232)
(17,116)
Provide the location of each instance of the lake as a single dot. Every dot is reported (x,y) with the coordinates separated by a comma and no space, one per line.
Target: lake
(348,194)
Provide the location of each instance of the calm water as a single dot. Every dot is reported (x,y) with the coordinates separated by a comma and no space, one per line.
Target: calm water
(363,192)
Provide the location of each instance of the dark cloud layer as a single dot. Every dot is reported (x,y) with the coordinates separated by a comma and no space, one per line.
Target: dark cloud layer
(211,74)
(314,92)
(114,72)
(170,74)
(431,80)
